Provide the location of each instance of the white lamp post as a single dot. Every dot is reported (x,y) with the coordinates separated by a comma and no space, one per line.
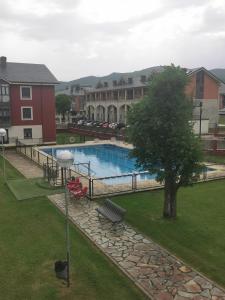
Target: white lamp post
(65,160)
(2,134)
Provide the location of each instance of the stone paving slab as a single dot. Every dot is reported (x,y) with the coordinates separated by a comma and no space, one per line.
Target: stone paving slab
(24,165)
(159,274)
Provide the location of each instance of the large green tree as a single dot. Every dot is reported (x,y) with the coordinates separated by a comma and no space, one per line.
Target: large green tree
(63,104)
(162,135)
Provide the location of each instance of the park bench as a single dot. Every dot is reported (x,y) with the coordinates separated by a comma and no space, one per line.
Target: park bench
(112,212)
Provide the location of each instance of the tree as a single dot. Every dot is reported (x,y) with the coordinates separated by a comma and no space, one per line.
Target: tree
(162,135)
(63,104)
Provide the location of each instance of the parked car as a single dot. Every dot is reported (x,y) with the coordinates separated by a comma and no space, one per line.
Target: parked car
(80,122)
(89,123)
(105,125)
(113,125)
(120,126)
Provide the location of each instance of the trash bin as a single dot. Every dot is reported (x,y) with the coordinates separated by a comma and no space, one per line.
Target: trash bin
(61,268)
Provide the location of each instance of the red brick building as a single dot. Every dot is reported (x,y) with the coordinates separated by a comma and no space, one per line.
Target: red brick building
(27,102)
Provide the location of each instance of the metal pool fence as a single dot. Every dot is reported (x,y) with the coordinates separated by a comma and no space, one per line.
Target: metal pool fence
(102,186)
(52,173)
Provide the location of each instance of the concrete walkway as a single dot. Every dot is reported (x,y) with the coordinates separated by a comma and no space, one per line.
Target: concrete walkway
(159,274)
(25,166)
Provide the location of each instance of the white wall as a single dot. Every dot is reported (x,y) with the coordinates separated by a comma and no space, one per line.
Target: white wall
(17,131)
(204,126)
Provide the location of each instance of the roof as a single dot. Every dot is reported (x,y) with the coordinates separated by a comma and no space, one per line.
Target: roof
(190,72)
(27,73)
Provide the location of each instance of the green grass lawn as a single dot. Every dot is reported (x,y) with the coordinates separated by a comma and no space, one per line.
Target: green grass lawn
(222,119)
(71,138)
(33,238)
(214,158)
(30,188)
(197,235)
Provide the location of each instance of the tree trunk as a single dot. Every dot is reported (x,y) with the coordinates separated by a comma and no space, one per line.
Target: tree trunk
(170,194)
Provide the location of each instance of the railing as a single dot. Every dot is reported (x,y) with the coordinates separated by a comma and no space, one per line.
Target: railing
(102,133)
(214,145)
(125,183)
(61,125)
(83,167)
(139,181)
(102,186)
(52,173)
(34,154)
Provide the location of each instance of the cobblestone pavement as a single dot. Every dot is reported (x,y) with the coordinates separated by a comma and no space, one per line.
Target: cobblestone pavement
(160,275)
(25,166)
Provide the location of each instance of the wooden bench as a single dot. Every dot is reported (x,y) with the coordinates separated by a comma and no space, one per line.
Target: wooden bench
(111,211)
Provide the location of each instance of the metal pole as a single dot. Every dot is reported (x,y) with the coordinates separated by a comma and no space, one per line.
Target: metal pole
(3,157)
(200,120)
(67,234)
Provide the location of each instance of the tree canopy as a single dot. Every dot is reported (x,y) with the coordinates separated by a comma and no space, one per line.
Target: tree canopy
(162,134)
(63,104)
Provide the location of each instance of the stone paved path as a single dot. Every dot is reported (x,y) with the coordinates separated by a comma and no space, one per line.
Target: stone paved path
(25,166)
(160,275)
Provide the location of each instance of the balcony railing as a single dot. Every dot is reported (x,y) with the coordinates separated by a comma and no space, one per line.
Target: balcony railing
(4,98)
(5,121)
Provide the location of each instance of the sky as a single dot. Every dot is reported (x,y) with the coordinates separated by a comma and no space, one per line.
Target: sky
(77,38)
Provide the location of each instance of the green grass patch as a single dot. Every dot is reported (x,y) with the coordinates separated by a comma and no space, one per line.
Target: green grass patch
(214,158)
(31,188)
(222,119)
(33,238)
(196,236)
(71,138)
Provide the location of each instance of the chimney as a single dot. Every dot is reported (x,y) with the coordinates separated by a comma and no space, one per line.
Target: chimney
(3,60)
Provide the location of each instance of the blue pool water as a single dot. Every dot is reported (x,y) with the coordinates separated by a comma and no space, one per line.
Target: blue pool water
(106,160)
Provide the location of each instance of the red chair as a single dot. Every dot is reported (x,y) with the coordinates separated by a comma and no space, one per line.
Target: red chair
(79,193)
(74,184)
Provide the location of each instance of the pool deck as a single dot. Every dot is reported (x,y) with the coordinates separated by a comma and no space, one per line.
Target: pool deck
(23,165)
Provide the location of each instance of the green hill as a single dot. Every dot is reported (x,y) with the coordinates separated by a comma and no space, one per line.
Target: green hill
(93,80)
(220,73)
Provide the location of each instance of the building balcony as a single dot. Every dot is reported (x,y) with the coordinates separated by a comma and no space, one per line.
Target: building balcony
(5,121)
(4,98)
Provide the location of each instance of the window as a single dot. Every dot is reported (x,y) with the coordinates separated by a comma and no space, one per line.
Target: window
(25,93)
(130,80)
(26,113)
(143,78)
(199,85)
(27,133)
(223,101)
(4,89)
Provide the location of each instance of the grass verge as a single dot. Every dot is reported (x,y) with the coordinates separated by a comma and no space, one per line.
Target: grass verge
(71,138)
(196,236)
(31,188)
(33,238)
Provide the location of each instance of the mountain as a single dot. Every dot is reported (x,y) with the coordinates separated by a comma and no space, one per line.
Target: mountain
(93,80)
(220,73)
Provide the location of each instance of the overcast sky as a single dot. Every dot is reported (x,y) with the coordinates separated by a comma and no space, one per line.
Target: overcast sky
(77,38)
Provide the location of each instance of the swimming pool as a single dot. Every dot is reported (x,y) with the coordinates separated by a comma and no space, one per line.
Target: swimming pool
(105,160)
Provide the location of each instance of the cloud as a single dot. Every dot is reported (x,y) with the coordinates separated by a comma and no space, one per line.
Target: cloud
(83,37)
(213,20)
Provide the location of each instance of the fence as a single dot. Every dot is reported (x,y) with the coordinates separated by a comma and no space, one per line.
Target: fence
(102,186)
(102,133)
(216,145)
(52,173)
